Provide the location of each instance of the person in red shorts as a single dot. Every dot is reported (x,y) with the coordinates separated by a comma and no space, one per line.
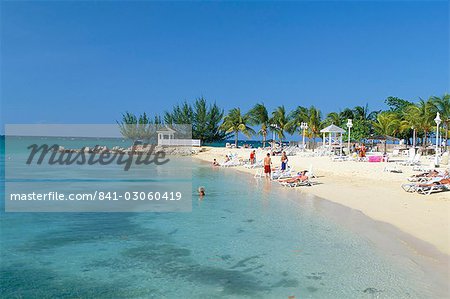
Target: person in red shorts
(253,157)
(267,164)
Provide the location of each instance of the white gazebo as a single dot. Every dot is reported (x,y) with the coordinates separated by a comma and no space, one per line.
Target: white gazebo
(165,135)
(334,137)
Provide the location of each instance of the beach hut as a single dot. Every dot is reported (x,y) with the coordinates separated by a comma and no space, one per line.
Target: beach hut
(332,137)
(166,136)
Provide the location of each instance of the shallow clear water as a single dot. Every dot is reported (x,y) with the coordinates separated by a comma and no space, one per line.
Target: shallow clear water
(245,239)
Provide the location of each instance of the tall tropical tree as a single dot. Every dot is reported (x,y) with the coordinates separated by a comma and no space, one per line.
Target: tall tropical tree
(347,113)
(333,118)
(443,106)
(281,119)
(133,127)
(410,120)
(426,115)
(386,124)
(396,104)
(362,113)
(314,123)
(258,116)
(180,114)
(362,122)
(235,122)
(205,119)
(214,118)
(296,118)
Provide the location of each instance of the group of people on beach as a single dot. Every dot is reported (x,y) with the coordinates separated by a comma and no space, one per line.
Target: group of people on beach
(267,162)
(360,150)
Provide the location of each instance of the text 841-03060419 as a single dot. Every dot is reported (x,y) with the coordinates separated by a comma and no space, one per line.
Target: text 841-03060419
(135,195)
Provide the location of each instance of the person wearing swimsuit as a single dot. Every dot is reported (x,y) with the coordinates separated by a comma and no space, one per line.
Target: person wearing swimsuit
(267,162)
(284,160)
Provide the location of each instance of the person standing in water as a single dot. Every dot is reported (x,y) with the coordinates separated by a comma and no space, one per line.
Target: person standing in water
(267,164)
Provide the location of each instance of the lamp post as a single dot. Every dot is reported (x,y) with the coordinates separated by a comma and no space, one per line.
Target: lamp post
(303,126)
(414,138)
(349,126)
(274,127)
(437,120)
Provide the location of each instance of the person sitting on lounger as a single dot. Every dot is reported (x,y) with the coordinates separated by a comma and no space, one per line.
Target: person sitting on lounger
(362,151)
(445,181)
(429,174)
(300,177)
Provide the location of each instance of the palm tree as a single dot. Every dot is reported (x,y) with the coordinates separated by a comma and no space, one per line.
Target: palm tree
(426,114)
(280,119)
(347,113)
(259,116)
(410,120)
(386,124)
(296,118)
(235,122)
(314,123)
(363,114)
(443,106)
(333,118)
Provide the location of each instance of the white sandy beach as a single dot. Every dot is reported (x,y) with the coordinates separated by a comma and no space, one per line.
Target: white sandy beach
(365,187)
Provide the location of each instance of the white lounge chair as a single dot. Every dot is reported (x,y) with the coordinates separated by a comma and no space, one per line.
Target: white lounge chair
(258,164)
(297,183)
(281,174)
(411,161)
(392,167)
(411,187)
(311,173)
(231,163)
(427,190)
(339,158)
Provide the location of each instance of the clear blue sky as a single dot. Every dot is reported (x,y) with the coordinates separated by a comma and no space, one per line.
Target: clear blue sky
(87,62)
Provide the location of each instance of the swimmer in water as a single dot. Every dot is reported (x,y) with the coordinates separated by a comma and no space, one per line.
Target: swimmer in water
(201,192)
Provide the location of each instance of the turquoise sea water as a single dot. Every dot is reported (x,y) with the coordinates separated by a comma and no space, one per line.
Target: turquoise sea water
(245,239)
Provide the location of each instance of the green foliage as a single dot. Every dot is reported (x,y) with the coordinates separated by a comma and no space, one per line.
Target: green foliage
(312,116)
(296,117)
(258,116)
(396,104)
(281,119)
(134,128)
(205,119)
(333,118)
(181,114)
(387,123)
(209,124)
(234,122)
(443,106)
(361,130)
